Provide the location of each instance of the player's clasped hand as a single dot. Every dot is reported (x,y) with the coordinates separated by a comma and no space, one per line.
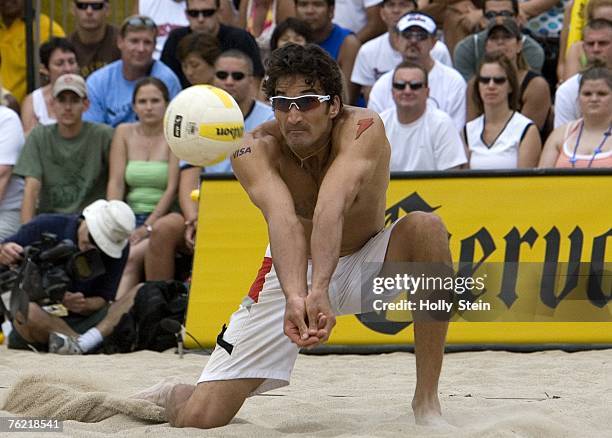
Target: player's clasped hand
(297,326)
(320,315)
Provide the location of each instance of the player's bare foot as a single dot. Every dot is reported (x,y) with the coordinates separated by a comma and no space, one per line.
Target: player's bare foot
(159,392)
(428,412)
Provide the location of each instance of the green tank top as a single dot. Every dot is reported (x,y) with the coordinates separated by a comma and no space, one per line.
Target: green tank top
(147,181)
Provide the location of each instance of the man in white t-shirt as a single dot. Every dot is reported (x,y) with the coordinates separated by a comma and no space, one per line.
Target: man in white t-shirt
(381,54)
(421,137)
(447,87)
(597,43)
(11,186)
(167,14)
(362,17)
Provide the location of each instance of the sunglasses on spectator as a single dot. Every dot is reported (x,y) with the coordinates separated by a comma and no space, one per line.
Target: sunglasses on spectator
(302,103)
(97,6)
(498,80)
(490,15)
(236,75)
(195,13)
(413,85)
(419,36)
(139,21)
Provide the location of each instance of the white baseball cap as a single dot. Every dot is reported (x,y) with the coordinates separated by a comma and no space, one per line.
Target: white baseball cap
(417,19)
(110,223)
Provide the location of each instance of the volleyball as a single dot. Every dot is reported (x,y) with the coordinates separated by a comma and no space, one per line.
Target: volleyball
(203,124)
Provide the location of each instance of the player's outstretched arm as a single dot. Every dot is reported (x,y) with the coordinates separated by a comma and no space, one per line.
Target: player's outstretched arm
(360,150)
(256,170)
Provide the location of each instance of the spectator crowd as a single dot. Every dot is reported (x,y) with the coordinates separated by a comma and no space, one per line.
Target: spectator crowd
(467,84)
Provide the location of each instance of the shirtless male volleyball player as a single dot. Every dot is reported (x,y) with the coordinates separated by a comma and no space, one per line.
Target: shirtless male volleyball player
(319,174)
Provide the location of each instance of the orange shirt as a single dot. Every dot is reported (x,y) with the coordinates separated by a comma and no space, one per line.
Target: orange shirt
(13,52)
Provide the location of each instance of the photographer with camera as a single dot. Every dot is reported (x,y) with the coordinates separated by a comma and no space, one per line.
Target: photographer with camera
(104,226)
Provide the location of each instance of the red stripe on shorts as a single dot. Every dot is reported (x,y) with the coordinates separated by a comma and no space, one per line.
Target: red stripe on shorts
(257,285)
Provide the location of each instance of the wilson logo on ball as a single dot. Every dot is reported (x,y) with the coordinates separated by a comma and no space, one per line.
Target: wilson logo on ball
(222,132)
(178,119)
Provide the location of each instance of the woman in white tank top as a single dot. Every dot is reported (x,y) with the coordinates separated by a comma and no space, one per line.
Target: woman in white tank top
(501,137)
(57,57)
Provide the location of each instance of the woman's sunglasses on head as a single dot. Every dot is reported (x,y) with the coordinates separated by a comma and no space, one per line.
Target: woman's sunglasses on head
(302,103)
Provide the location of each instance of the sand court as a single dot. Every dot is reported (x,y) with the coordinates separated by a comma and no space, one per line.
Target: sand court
(498,394)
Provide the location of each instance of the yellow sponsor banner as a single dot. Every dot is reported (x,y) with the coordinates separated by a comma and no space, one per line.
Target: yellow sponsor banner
(519,220)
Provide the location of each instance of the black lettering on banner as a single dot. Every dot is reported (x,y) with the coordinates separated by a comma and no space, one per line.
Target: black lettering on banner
(594,289)
(241,151)
(551,259)
(514,240)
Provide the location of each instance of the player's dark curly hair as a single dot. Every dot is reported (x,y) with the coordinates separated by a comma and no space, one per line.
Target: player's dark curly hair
(309,61)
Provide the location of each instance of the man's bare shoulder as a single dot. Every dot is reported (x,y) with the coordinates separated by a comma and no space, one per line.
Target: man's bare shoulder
(259,148)
(360,125)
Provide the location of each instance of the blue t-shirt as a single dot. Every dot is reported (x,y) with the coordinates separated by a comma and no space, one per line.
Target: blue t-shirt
(65,227)
(259,113)
(334,41)
(110,94)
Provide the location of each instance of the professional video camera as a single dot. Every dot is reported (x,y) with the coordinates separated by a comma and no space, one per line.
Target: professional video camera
(47,269)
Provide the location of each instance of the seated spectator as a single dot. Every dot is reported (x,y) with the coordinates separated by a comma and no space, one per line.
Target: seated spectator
(447,87)
(57,58)
(576,59)
(469,52)
(421,137)
(234,74)
(534,98)
(362,17)
(174,234)
(143,171)
(501,138)
(65,165)
(104,226)
(197,53)
(381,54)
(585,142)
(260,18)
(13,44)
(111,88)
(203,17)
(11,186)
(94,40)
(167,14)
(292,30)
(340,43)
(597,43)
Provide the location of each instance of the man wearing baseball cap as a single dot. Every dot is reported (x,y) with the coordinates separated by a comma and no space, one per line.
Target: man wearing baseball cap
(65,165)
(103,225)
(446,86)
(380,55)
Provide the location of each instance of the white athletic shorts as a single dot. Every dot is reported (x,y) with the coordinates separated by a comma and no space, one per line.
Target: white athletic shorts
(254,344)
